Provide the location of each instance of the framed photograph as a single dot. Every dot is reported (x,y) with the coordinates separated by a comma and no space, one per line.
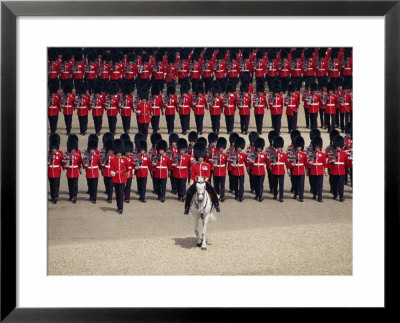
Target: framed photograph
(163,116)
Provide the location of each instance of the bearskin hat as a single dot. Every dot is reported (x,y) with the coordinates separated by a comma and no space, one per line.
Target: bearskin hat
(276,87)
(67,88)
(230,87)
(170,90)
(55,137)
(125,137)
(162,145)
(323,82)
(296,54)
(126,88)
(108,144)
(158,56)
(339,81)
(128,146)
(192,136)
(298,142)
(154,138)
(221,142)
(52,54)
(232,55)
(199,150)
(196,55)
(203,140)
(334,52)
(253,136)
(145,58)
(54,143)
(291,88)
(131,58)
(141,145)
(212,137)
(232,138)
(143,93)
(200,87)
(185,87)
(314,133)
(95,138)
(155,90)
(118,146)
(317,142)
(92,144)
(107,136)
(72,142)
(322,52)
(347,85)
(338,141)
(171,58)
(308,53)
(173,137)
(347,52)
(245,78)
(333,134)
(278,142)
(240,143)
(182,143)
(260,54)
(272,135)
(81,89)
(331,86)
(244,87)
(220,55)
(260,87)
(216,87)
(271,54)
(53,86)
(246,53)
(348,128)
(113,88)
(314,87)
(284,53)
(139,136)
(184,54)
(259,142)
(67,55)
(294,134)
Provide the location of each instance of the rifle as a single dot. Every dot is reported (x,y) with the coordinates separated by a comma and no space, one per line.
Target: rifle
(50,157)
(104,157)
(87,157)
(272,156)
(67,158)
(211,99)
(311,154)
(292,155)
(252,156)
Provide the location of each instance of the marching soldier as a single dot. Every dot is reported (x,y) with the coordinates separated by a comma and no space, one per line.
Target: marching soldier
(322,64)
(112,106)
(171,152)
(54,106)
(337,164)
(131,169)
(79,70)
(297,162)
(230,101)
(97,106)
(131,70)
(314,102)
(250,150)
(259,104)
(339,94)
(142,164)
(276,162)
(244,104)
(330,107)
(183,67)
(91,164)
(323,88)
(231,150)
(118,69)
(218,167)
(269,151)
(208,70)
(348,148)
(192,138)
(233,69)
(54,165)
(275,102)
(334,66)
(199,104)
(119,172)
(306,99)
(184,107)
(180,164)
(215,105)
(72,161)
(309,66)
(257,161)
(284,70)
(220,70)
(67,69)
(156,107)
(143,111)
(316,164)
(290,151)
(91,72)
(347,65)
(158,71)
(106,156)
(126,106)
(82,106)
(68,105)
(145,71)
(238,165)
(200,169)
(160,167)
(211,149)
(105,71)
(170,107)
(291,103)
(260,69)
(196,69)
(154,138)
(272,68)
(345,104)
(171,70)
(296,69)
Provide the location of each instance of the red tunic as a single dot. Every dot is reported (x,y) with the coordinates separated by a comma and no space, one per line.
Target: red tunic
(199,103)
(322,67)
(92,71)
(66,71)
(162,166)
(330,105)
(208,69)
(317,163)
(244,104)
(184,104)
(126,106)
(145,71)
(118,71)
(233,70)
(273,68)
(143,111)
(297,163)
(347,69)
(345,103)
(291,103)
(308,68)
(131,167)
(172,73)
(278,166)
(97,105)
(200,170)
(131,71)
(216,106)
(68,104)
(314,102)
(112,105)
(337,164)
(260,69)
(258,166)
(105,165)
(183,69)
(79,71)
(82,106)
(119,166)
(54,104)
(180,166)
(142,164)
(220,71)
(105,71)
(54,165)
(259,104)
(91,165)
(196,70)
(275,104)
(334,67)
(54,70)
(284,70)
(238,163)
(218,164)
(159,71)
(171,106)
(73,163)
(296,68)
(230,104)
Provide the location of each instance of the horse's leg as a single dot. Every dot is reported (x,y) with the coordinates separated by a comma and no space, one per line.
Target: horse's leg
(196,229)
(205,221)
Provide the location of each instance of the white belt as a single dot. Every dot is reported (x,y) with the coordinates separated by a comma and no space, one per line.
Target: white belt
(142,167)
(184,106)
(125,107)
(116,72)
(237,165)
(347,68)
(334,70)
(161,166)
(339,163)
(345,103)
(298,164)
(92,167)
(67,106)
(54,166)
(291,106)
(112,108)
(297,69)
(258,164)
(180,167)
(53,107)
(219,165)
(313,103)
(91,72)
(97,107)
(317,164)
(285,70)
(330,105)
(321,69)
(107,166)
(71,166)
(275,106)
(279,163)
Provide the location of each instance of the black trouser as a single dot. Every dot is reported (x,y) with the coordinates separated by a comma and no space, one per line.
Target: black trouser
(143,128)
(290,123)
(270,80)
(313,120)
(308,79)
(251,178)
(330,121)
(54,186)
(235,81)
(77,83)
(73,187)
(127,189)
(337,118)
(338,185)
(229,121)
(238,185)
(244,122)
(98,121)
(284,83)
(207,84)
(278,179)
(199,122)
(109,186)
(183,80)
(260,80)
(321,117)
(344,119)
(90,85)
(259,184)
(83,121)
(276,122)
(155,122)
(184,121)
(119,194)
(219,185)
(259,121)
(316,185)
(126,123)
(192,189)
(170,122)
(298,185)
(307,115)
(92,186)
(68,122)
(230,177)
(141,186)
(297,82)
(270,179)
(66,81)
(53,123)
(173,183)
(180,186)
(222,82)
(161,184)
(215,122)
(112,123)
(194,83)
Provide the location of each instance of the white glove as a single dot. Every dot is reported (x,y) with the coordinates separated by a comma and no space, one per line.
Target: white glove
(112,173)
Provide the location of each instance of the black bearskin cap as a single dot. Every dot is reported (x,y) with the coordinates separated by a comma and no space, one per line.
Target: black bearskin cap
(141,145)
(95,138)
(72,143)
(294,134)
(232,138)
(240,143)
(278,142)
(314,86)
(347,85)
(192,136)
(67,88)
(230,87)
(155,90)
(308,53)
(173,137)
(107,136)
(200,87)
(317,142)
(323,82)
(276,87)
(113,88)
(139,136)
(185,87)
(170,90)
(253,136)
(56,137)
(143,93)
(158,56)
(108,144)
(53,86)
(347,52)
(291,88)
(244,87)
(203,140)
(322,52)
(212,137)
(216,87)
(125,137)
(54,143)
(128,146)
(272,135)
(338,141)
(220,55)
(259,142)
(260,87)
(162,145)
(182,143)
(154,138)
(334,52)
(126,88)
(333,134)
(298,142)
(221,142)
(314,133)
(339,81)
(199,150)
(118,146)
(331,86)
(92,144)
(348,128)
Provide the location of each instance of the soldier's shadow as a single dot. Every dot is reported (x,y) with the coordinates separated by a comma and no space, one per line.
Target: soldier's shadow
(107,208)
(186,243)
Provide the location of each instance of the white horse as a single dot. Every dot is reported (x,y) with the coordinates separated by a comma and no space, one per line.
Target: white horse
(201,208)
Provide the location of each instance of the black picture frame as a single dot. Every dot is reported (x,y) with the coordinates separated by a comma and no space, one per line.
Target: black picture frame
(10,10)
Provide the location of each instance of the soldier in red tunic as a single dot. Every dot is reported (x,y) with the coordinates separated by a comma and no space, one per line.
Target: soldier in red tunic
(126,106)
(184,107)
(170,106)
(199,104)
(218,166)
(275,103)
(244,105)
(160,166)
(180,164)
(131,169)
(158,71)
(68,105)
(66,69)
(233,69)
(259,104)
(54,107)
(91,72)
(277,160)
(82,106)
(309,66)
(112,105)
(257,160)
(284,69)
(143,111)
(142,164)
(156,103)
(91,164)
(297,163)
(291,103)
(238,164)
(231,150)
(314,102)
(230,101)
(72,161)
(54,164)
(106,155)
(200,169)
(316,164)
(296,69)
(345,104)
(79,69)
(195,68)
(347,65)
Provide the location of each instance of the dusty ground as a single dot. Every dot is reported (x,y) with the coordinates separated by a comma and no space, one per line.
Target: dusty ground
(249,238)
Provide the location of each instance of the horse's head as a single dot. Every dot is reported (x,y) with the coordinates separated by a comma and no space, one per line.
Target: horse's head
(201,188)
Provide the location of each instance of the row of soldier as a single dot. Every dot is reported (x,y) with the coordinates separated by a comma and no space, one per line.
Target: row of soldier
(120,162)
